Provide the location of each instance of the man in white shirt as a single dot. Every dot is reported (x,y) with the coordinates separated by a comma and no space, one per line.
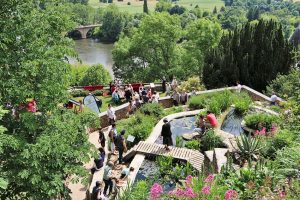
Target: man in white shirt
(111,114)
(107,178)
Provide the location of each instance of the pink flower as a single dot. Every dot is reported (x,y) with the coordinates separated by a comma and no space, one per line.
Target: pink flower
(170,193)
(189,179)
(231,195)
(261,132)
(209,178)
(205,190)
(282,194)
(189,193)
(203,198)
(179,192)
(156,191)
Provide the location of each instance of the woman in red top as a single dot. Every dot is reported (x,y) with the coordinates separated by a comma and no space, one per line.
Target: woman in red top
(211,120)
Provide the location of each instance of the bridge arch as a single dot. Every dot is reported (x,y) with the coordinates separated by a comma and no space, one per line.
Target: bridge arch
(84,30)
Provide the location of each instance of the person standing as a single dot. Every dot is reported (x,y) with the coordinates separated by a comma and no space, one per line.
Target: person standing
(101,138)
(176,98)
(128,94)
(164,81)
(99,161)
(174,83)
(97,191)
(238,87)
(166,134)
(168,89)
(107,178)
(112,136)
(121,145)
(111,115)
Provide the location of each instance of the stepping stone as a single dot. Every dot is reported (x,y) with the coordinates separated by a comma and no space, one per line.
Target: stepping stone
(221,159)
(190,136)
(209,155)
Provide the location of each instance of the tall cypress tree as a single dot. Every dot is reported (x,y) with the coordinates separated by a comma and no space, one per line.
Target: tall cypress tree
(145,7)
(254,55)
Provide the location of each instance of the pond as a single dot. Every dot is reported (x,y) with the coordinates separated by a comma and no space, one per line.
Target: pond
(181,126)
(232,123)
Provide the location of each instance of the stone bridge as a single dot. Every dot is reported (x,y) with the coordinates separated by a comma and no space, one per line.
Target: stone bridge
(85,29)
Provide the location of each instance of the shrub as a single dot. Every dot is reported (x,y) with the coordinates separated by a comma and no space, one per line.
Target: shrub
(210,141)
(96,75)
(252,120)
(77,73)
(224,99)
(283,138)
(191,84)
(198,102)
(172,110)
(153,109)
(193,144)
(215,107)
(79,93)
(242,103)
(98,92)
(128,3)
(90,119)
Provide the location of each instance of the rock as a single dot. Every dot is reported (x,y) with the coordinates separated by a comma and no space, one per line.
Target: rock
(190,136)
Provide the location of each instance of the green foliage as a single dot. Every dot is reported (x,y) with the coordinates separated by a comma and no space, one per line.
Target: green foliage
(90,119)
(179,142)
(79,93)
(216,102)
(3,184)
(77,74)
(172,110)
(242,103)
(287,161)
(139,125)
(160,34)
(96,75)
(34,53)
(248,147)
(285,86)
(163,6)
(113,23)
(193,144)
(267,120)
(153,109)
(258,49)
(191,84)
(137,191)
(210,141)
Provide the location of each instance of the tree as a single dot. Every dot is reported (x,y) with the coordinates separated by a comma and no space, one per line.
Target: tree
(201,35)
(38,151)
(215,11)
(151,51)
(179,10)
(145,7)
(163,6)
(113,23)
(253,14)
(85,2)
(254,55)
(96,75)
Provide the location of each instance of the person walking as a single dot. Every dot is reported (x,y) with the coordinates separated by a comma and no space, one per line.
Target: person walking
(166,134)
(111,115)
(174,83)
(107,178)
(176,98)
(112,136)
(121,145)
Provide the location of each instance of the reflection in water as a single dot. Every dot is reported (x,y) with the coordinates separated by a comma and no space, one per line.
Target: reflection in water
(92,52)
(232,123)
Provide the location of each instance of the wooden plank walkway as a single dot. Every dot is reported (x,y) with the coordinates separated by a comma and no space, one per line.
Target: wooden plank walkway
(195,158)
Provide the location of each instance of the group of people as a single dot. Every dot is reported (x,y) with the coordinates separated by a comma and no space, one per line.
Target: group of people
(210,121)
(110,180)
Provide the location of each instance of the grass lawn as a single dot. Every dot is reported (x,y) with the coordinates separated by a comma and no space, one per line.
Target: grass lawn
(137,6)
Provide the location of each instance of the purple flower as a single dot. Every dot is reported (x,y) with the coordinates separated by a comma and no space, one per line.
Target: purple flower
(156,191)
(189,193)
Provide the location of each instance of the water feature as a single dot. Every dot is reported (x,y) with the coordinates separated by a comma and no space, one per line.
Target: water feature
(91,52)
(232,123)
(181,126)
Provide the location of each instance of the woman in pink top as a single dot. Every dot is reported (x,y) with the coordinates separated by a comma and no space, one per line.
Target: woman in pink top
(211,120)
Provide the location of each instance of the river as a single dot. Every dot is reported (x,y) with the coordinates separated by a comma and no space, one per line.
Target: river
(93,52)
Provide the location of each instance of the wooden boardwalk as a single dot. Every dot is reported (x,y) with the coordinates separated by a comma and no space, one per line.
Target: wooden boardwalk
(195,158)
